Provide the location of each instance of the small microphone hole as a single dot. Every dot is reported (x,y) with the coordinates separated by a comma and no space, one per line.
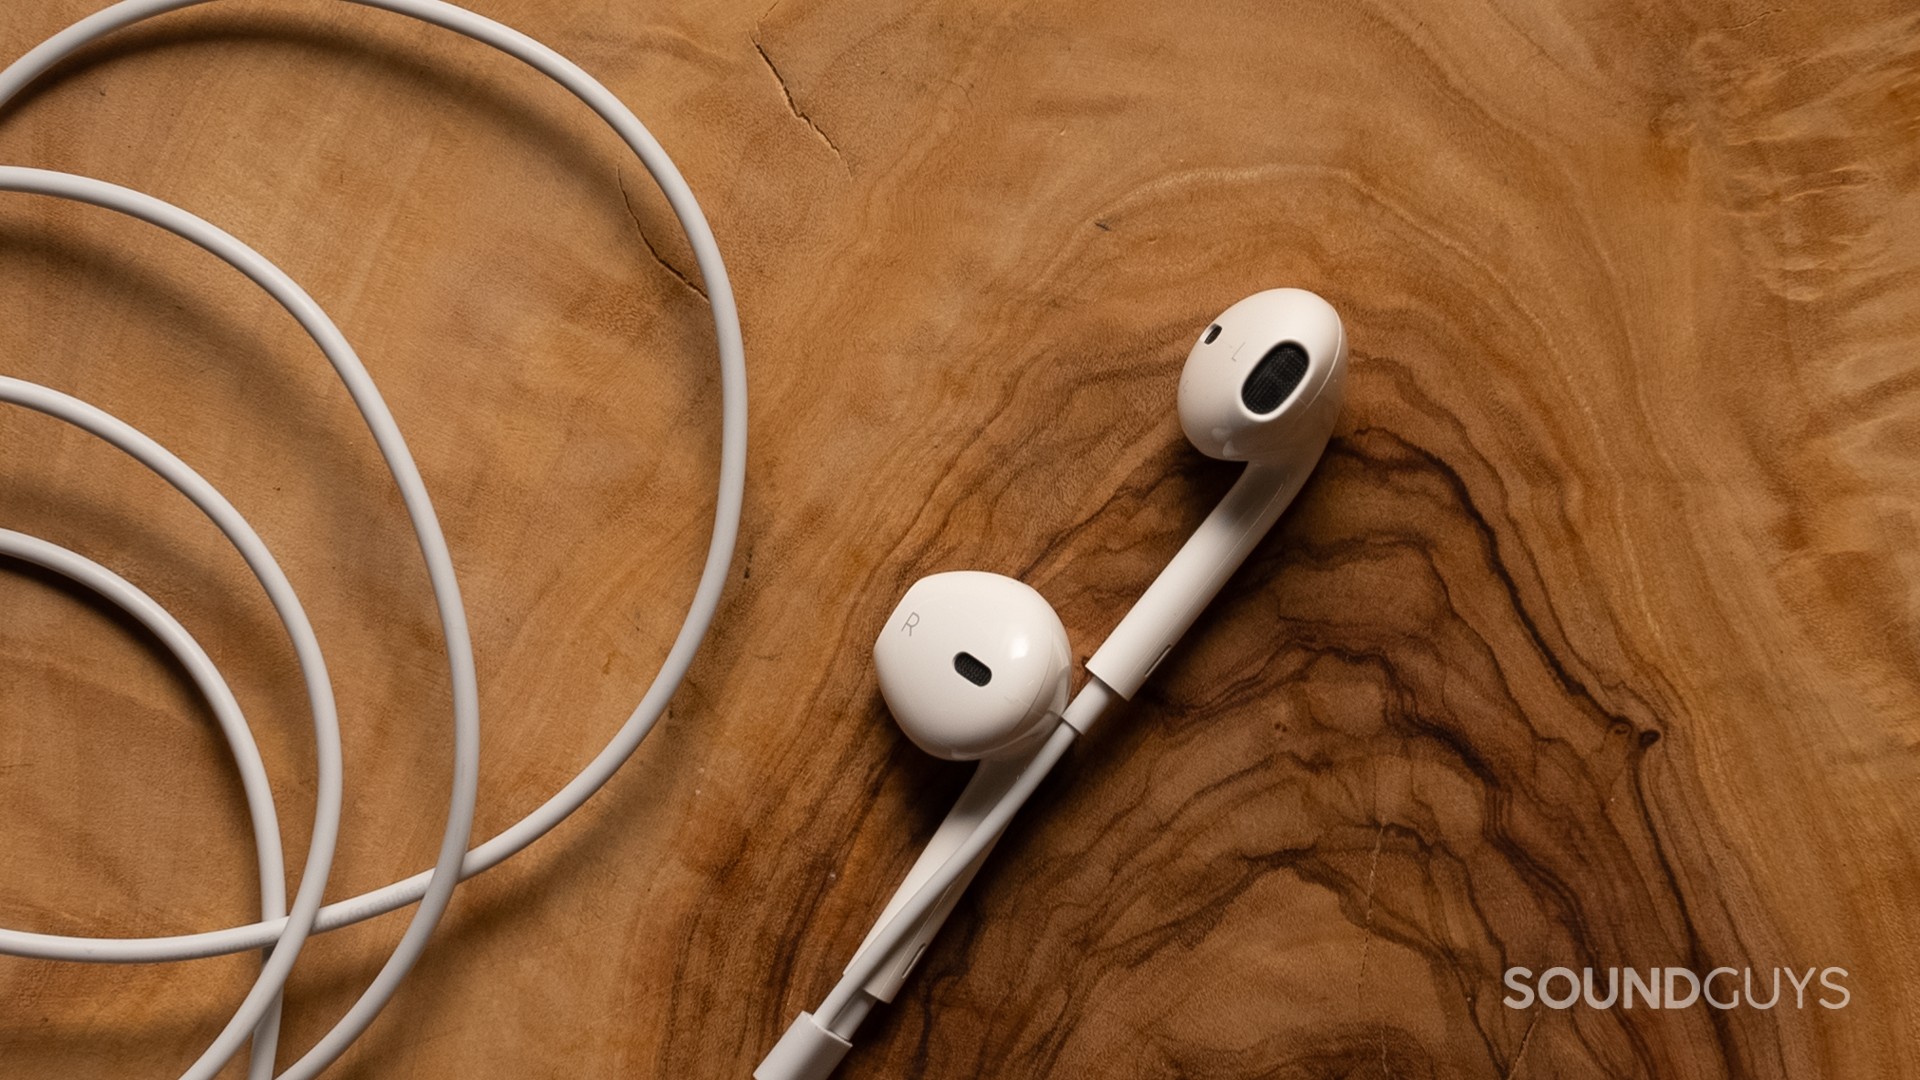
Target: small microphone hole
(971,669)
(1212,332)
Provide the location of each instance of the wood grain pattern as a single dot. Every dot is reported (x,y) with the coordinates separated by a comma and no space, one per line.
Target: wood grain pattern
(1593,642)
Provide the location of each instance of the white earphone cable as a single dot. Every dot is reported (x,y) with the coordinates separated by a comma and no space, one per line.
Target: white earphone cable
(432,888)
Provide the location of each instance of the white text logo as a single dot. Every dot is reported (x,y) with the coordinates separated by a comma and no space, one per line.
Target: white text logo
(1675,988)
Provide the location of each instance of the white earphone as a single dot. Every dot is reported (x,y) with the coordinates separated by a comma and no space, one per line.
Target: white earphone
(976,666)
(973,665)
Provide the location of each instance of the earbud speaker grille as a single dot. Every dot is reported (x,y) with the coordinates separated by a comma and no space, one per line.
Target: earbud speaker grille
(1274,377)
(971,669)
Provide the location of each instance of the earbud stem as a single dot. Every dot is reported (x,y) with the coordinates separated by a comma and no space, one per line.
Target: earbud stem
(987,787)
(1196,573)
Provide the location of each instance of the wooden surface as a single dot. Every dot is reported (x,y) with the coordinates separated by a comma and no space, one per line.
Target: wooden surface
(1593,642)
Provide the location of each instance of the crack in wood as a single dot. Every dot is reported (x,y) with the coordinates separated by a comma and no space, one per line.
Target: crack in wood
(1519,1055)
(626,199)
(794,106)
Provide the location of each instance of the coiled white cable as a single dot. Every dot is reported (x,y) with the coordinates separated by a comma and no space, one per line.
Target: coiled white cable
(431,888)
